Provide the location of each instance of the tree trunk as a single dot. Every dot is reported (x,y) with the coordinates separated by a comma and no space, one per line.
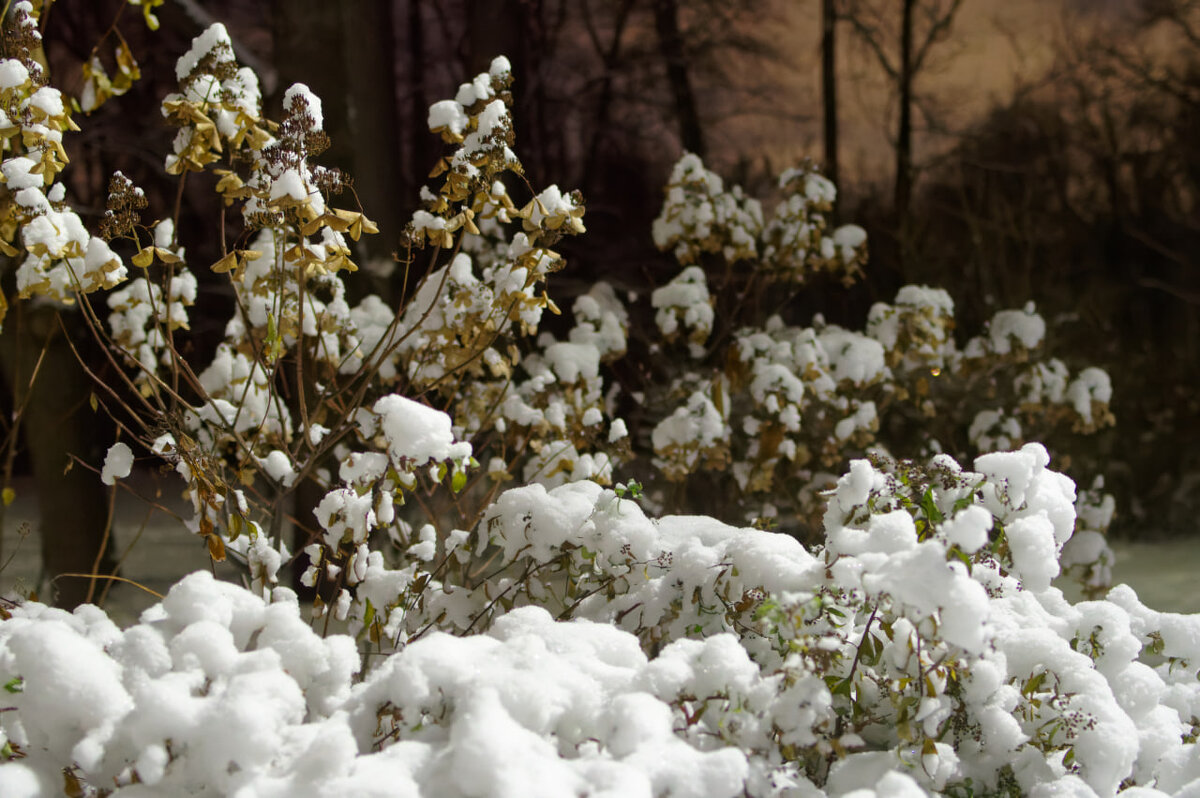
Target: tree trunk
(904,162)
(419,158)
(610,58)
(829,86)
(502,27)
(57,423)
(371,124)
(344,52)
(670,44)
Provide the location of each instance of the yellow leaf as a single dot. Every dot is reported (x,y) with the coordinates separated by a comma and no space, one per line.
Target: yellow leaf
(225,264)
(8,495)
(144,257)
(468,221)
(166,255)
(216,548)
(126,61)
(228,182)
(148,7)
(93,401)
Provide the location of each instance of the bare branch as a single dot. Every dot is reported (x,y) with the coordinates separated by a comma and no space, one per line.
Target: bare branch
(938,27)
(870,35)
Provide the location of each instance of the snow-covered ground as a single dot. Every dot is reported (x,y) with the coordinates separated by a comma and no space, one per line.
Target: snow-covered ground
(1163,574)
(156,550)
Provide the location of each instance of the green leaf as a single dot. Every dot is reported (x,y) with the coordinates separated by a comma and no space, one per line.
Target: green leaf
(15,685)
(930,507)
(458,481)
(1030,687)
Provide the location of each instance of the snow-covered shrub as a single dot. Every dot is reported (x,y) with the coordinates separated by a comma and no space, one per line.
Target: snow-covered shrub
(778,406)
(307,388)
(920,649)
(58,257)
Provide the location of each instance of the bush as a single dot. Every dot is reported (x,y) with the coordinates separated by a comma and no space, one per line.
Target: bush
(553,638)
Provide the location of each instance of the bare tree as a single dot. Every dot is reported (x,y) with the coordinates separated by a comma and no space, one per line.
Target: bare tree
(670,42)
(922,24)
(829,102)
(610,56)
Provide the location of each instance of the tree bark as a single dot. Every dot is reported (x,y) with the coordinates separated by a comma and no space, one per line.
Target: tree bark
(56,424)
(371,122)
(829,86)
(904,162)
(609,56)
(419,158)
(344,52)
(670,44)
(506,27)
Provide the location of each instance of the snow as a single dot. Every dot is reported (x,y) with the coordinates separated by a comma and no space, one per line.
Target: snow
(13,74)
(850,235)
(48,101)
(118,462)
(573,361)
(1091,386)
(217,687)
(992,430)
(694,427)
(291,185)
(278,466)
(417,434)
(684,303)
(18,780)
(1024,327)
(447,115)
(311,103)
(213,39)
(969,529)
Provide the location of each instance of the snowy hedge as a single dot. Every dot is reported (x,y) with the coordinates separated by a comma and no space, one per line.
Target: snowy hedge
(922,648)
